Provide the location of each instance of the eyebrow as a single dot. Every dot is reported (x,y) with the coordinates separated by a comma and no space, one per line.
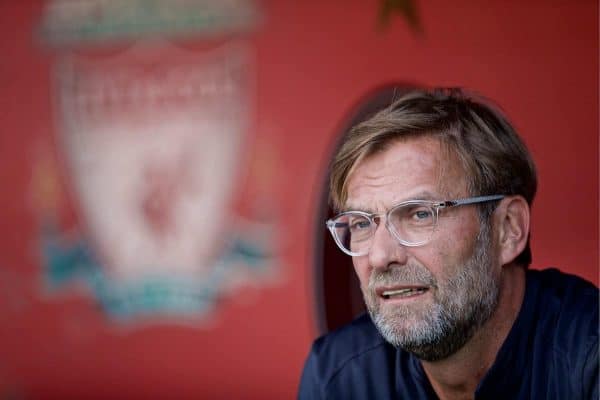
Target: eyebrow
(423,195)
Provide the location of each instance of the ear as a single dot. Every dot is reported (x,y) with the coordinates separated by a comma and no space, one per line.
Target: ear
(512,222)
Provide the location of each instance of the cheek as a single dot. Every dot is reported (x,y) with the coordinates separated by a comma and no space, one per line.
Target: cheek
(362,269)
(449,251)
(433,259)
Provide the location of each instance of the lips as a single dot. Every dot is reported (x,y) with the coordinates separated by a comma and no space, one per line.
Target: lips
(401,291)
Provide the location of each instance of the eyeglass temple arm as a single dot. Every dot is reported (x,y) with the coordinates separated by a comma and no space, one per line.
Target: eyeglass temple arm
(473,200)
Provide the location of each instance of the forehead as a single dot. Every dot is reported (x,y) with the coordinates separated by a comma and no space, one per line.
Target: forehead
(410,168)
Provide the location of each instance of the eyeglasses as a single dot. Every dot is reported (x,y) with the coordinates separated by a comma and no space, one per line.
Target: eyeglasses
(411,222)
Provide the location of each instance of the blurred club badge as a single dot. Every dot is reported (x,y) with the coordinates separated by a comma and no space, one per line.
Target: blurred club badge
(151,143)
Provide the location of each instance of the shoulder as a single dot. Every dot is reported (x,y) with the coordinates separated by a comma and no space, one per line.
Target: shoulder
(567,302)
(562,284)
(567,308)
(348,342)
(336,356)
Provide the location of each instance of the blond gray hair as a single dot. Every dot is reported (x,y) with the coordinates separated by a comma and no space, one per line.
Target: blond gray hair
(494,157)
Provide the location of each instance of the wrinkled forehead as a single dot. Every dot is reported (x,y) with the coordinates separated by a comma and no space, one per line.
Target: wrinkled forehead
(406,169)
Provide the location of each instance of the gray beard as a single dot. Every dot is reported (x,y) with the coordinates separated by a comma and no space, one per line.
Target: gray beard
(464,303)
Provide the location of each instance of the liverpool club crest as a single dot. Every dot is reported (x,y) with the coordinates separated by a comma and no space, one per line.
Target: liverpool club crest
(152,144)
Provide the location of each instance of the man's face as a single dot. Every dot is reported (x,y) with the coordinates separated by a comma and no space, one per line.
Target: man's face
(454,273)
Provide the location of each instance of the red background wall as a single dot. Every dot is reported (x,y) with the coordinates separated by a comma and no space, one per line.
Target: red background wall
(538,60)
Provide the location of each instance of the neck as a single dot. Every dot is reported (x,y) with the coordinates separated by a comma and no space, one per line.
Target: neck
(457,376)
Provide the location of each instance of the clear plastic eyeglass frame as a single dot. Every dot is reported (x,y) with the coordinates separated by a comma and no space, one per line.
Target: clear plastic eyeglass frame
(435,206)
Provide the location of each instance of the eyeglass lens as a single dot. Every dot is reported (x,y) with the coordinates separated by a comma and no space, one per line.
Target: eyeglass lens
(413,224)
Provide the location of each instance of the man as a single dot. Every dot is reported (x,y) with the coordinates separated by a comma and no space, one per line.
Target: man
(434,194)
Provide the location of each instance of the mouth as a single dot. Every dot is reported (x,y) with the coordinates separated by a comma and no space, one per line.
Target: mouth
(401,292)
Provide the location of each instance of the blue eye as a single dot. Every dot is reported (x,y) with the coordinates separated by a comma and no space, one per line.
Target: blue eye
(360,225)
(419,216)
(422,214)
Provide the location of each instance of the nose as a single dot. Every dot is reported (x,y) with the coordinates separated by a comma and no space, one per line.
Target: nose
(385,249)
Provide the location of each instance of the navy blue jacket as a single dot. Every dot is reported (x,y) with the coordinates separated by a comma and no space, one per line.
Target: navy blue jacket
(551,352)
